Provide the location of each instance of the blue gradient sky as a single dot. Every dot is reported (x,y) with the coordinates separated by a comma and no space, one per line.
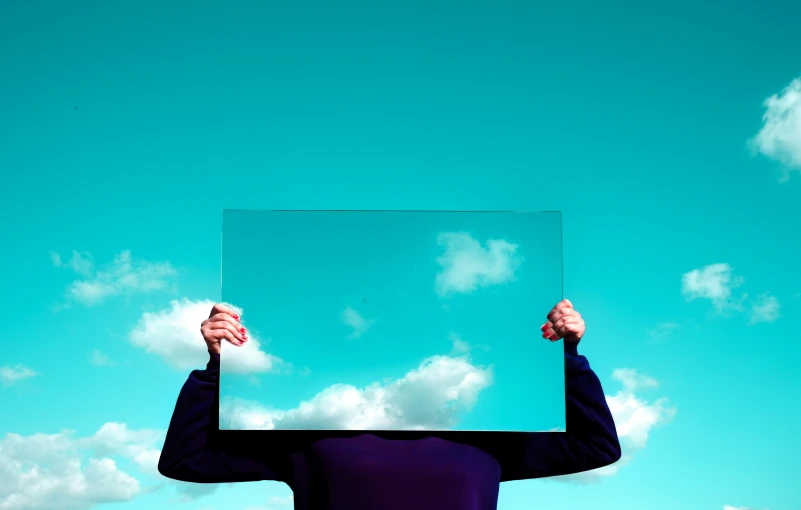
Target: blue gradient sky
(125,130)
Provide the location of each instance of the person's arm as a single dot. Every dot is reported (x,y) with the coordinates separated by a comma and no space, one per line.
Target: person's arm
(591,439)
(192,453)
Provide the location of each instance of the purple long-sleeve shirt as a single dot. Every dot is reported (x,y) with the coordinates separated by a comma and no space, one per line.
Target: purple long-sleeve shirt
(367,472)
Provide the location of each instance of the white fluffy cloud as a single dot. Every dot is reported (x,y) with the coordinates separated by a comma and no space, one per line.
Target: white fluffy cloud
(764,309)
(780,135)
(117,439)
(714,282)
(174,335)
(61,472)
(466,265)
(12,375)
(355,320)
(48,471)
(634,419)
(432,396)
(124,276)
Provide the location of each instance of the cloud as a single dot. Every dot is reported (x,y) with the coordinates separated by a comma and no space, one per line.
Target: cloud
(780,136)
(61,472)
(431,396)
(100,359)
(459,345)
(634,419)
(462,347)
(764,309)
(174,335)
(355,320)
(81,262)
(662,330)
(714,282)
(632,381)
(466,265)
(12,375)
(124,276)
(114,438)
(46,471)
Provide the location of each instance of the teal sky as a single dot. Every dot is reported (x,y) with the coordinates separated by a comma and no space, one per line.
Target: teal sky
(126,130)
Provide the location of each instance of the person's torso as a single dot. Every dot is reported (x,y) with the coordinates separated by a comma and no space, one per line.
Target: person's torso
(367,472)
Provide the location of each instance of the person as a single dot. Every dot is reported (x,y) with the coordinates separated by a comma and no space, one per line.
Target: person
(365,471)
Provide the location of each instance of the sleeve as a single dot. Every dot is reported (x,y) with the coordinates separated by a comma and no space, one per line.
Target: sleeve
(590,441)
(193,450)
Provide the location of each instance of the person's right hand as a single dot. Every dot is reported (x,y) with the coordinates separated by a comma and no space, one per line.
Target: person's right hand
(222,324)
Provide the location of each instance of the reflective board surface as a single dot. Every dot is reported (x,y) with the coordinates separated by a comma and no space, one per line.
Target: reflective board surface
(392,320)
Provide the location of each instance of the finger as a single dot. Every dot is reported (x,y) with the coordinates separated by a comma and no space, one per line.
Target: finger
(568,328)
(567,319)
(564,312)
(221,308)
(221,334)
(556,330)
(238,333)
(551,335)
(560,306)
(215,336)
(224,317)
(559,314)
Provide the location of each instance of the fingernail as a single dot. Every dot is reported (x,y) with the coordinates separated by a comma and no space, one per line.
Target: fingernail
(236,317)
(545,335)
(242,330)
(544,327)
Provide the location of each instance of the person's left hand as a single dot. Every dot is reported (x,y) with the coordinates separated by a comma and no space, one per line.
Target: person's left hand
(564,322)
